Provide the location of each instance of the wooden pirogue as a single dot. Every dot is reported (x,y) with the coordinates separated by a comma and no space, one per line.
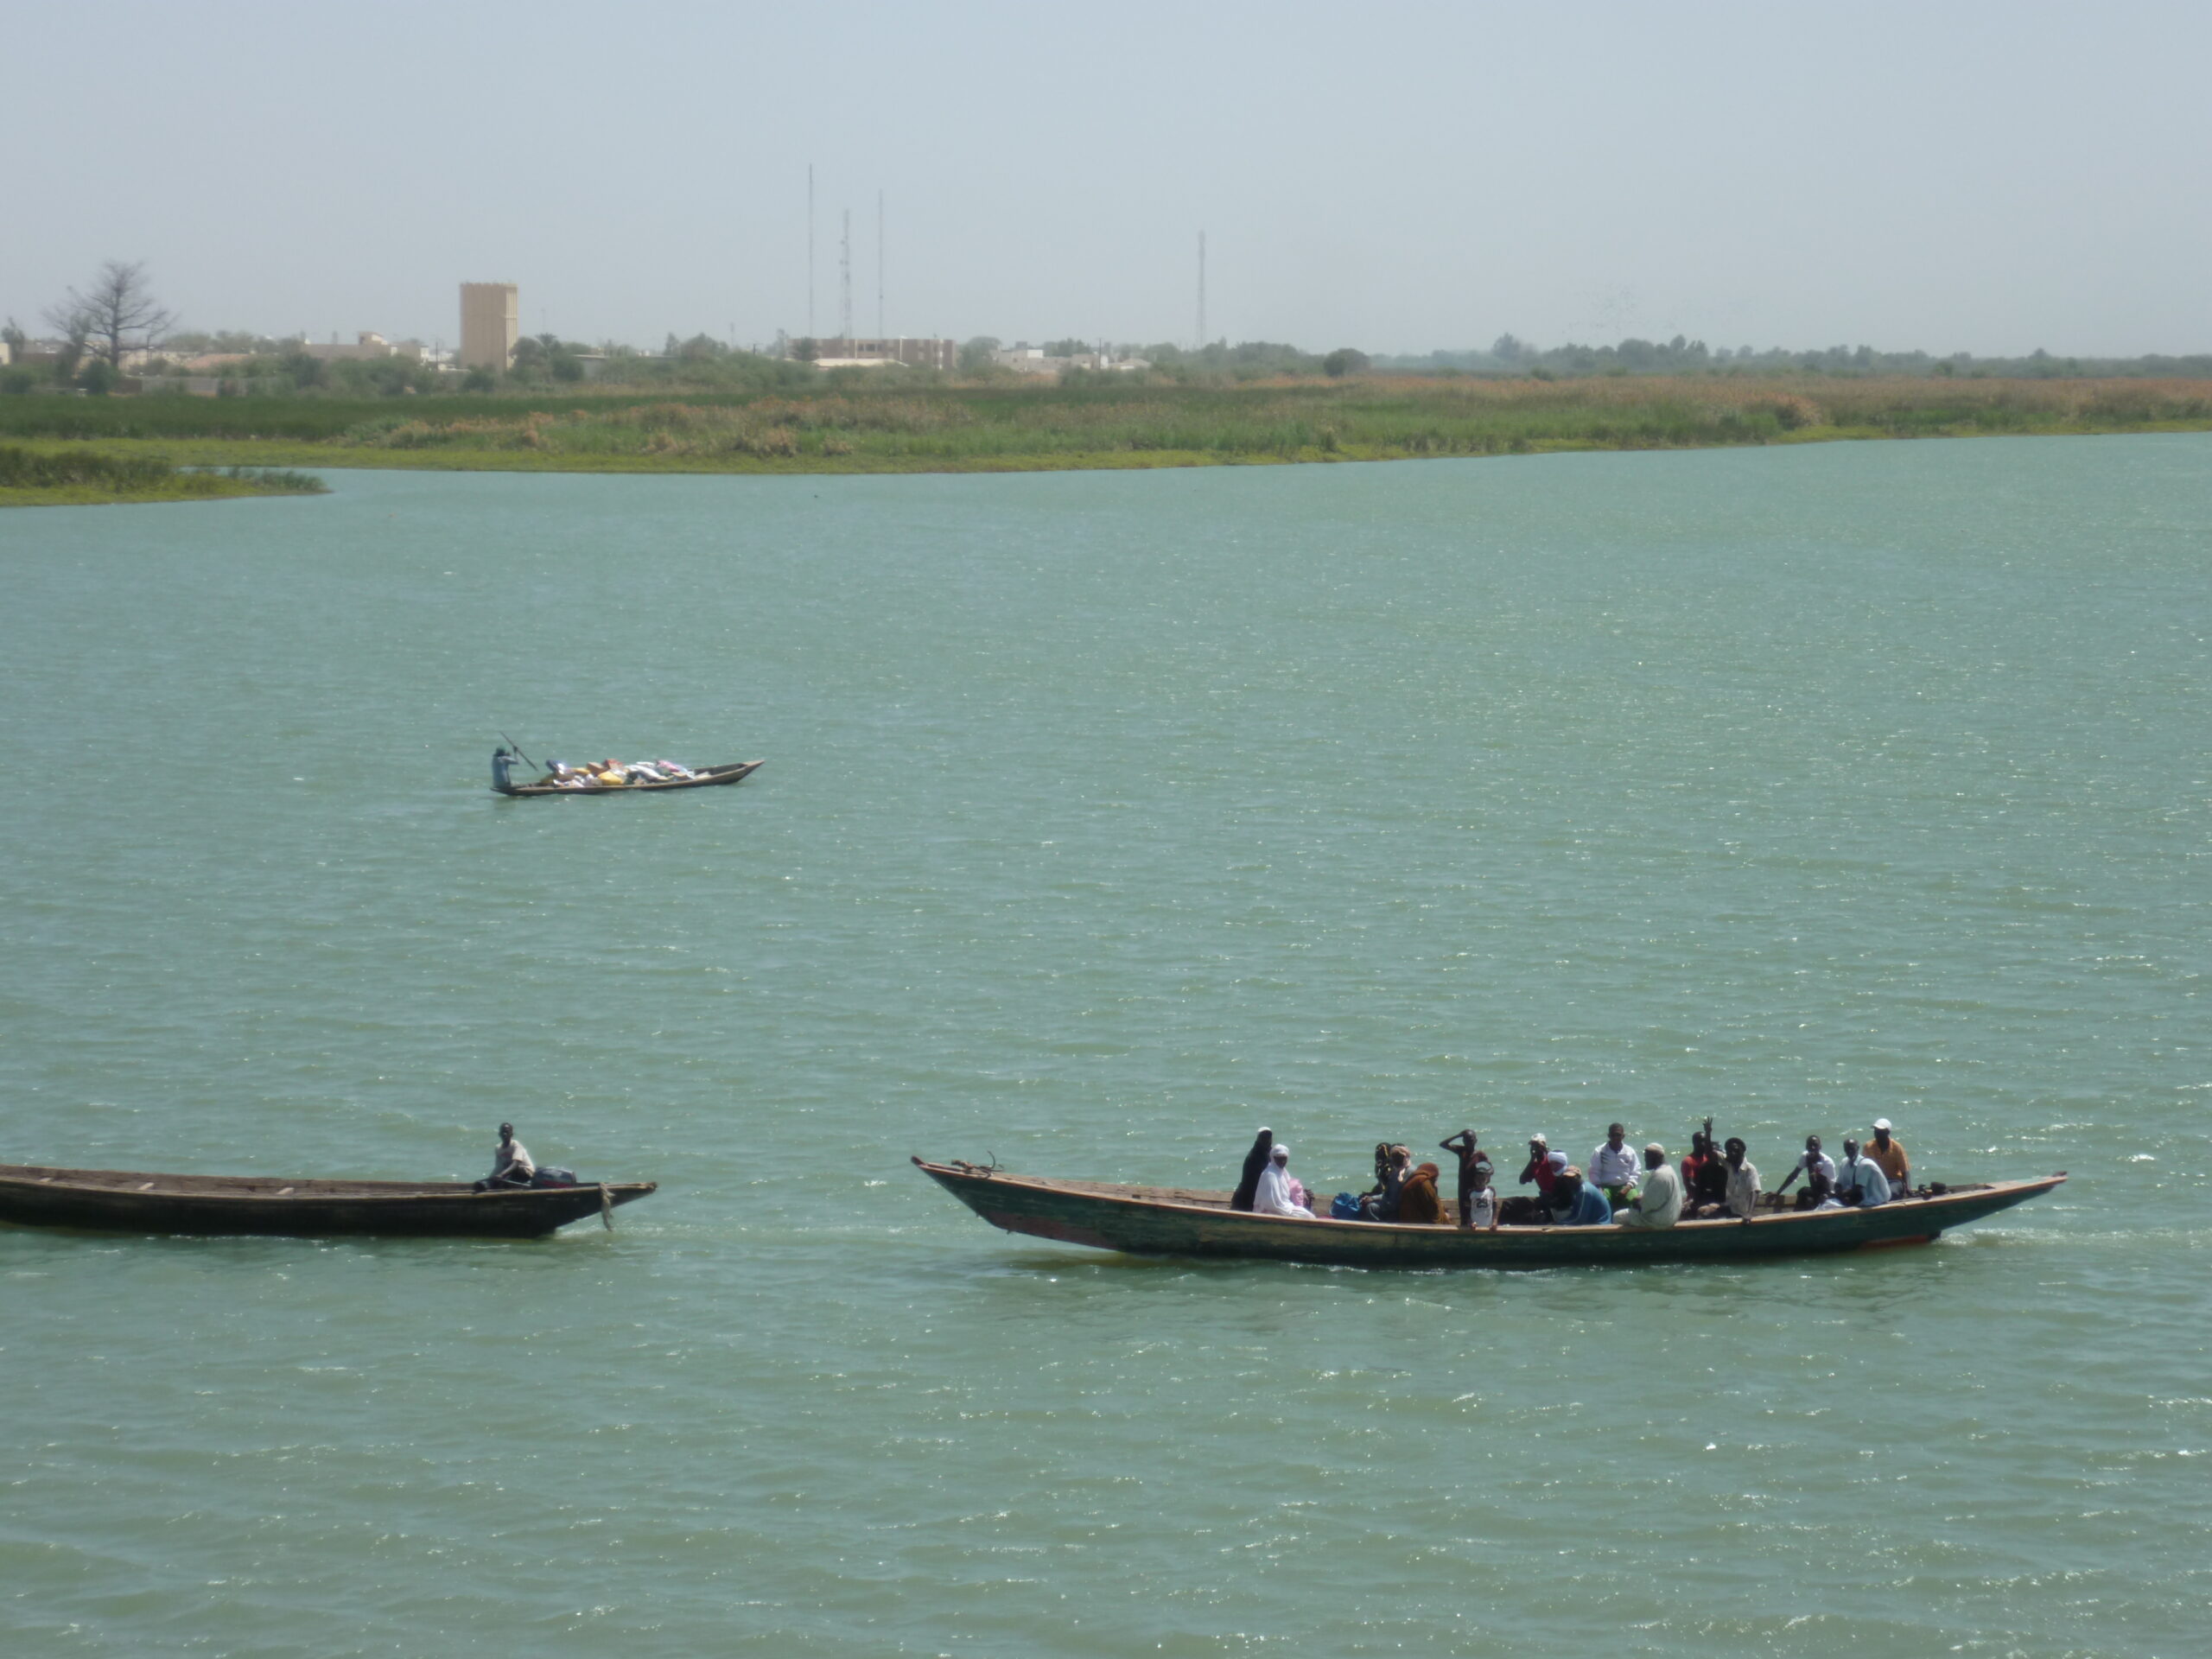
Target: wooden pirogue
(114,1200)
(1177,1221)
(707,779)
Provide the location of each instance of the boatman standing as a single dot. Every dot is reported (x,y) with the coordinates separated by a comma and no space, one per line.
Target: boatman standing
(500,761)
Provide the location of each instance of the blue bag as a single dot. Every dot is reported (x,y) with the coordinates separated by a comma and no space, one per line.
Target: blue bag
(1346,1208)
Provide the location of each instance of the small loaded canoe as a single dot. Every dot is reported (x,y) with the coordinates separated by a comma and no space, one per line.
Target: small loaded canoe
(707,779)
(113,1200)
(1176,1221)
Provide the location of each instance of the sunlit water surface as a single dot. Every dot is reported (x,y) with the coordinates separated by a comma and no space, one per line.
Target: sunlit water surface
(1106,817)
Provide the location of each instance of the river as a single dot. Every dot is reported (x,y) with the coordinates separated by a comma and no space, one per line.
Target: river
(1106,817)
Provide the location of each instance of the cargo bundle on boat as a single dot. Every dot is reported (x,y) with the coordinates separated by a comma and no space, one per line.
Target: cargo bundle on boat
(611,776)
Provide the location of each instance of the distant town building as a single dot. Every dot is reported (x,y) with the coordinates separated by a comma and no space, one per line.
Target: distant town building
(490,325)
(874,353)
(366,347)
(1031,359)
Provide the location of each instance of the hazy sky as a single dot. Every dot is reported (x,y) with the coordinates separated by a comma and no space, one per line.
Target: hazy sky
(1978,177)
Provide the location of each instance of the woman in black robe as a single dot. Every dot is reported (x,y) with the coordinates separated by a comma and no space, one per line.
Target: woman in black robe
(1254,1161)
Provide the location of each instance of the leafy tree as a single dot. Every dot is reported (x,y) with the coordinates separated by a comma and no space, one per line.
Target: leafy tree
(117,309)
(975,355)
(1344,361)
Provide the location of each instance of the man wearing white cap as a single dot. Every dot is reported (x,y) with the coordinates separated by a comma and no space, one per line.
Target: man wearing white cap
(1658,1202)
(1890,1154)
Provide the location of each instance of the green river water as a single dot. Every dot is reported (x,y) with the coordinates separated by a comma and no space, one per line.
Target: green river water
(1106,817)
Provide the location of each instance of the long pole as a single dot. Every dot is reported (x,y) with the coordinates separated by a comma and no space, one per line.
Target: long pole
(1202,290)
(809,249)
(845,271)
(881,333)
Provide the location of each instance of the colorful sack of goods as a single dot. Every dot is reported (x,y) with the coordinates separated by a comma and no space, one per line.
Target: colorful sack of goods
(1346,1208)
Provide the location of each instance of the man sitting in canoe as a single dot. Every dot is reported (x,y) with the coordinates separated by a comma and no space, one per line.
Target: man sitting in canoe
(1658,1202)
(1819,1171)
(1860,1180)
(511,1164)
(1888,1152)
(1575,1202)
(1705,1177)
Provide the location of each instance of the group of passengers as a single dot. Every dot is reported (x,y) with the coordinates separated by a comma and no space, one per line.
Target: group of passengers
(615,774)
(1618,1186)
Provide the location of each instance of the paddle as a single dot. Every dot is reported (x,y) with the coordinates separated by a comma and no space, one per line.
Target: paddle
(519,755)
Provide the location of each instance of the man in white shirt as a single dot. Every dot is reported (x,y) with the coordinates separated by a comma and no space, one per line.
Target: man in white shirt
(1660,1202)
(1860,1180)
(511,1165)
(1743,1181)
(1819,1171)
(1612,1167)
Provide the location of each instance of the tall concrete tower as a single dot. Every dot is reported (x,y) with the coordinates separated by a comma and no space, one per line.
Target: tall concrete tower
(490,326)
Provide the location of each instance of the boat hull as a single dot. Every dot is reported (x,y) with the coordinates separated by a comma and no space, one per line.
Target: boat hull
(1161,1221)
(709,778)
(109,1200)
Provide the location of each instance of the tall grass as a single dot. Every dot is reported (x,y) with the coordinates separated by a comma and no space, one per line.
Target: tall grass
(1098,419)
(78,475)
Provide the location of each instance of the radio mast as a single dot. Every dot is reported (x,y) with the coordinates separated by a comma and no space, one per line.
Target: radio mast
(879,331)
(845,269)
(1202,290)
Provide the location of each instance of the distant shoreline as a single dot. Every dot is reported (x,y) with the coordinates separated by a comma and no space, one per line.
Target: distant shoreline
(964,428)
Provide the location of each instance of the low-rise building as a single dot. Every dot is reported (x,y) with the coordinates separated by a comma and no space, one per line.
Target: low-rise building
(366,347)
(843,353)
(1033,359)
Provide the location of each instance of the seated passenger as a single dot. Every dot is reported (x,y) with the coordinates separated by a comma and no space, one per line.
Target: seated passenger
(1576,1203)
(1391,1171)
(1463,1147)
(1742,1199)
(1890,1154)
(1419,1200)
(1819,1171)
(1272,1195)
(1612,1167)
(1659,1204)
(1539,1166)
(1256,1163)
(1705,1177)
(511,1165)
(1478,1201)
(1860,1180)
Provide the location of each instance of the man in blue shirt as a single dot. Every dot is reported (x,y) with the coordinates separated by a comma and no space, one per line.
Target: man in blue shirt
(1575,1202)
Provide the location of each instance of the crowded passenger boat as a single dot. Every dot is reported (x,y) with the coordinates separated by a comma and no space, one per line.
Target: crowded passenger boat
(1620,1206)
(1617,1186)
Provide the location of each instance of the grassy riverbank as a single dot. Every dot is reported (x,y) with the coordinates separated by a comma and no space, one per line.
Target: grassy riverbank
(71,477)
(855,426)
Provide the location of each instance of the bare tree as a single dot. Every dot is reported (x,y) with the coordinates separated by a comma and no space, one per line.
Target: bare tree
(117,310)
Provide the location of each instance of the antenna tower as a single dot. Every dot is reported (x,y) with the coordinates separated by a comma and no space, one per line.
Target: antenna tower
(845,269)
(1202,290)
(809,249)
(880,332)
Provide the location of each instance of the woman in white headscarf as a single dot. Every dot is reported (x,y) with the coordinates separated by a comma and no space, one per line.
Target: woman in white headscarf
(1272,1197)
